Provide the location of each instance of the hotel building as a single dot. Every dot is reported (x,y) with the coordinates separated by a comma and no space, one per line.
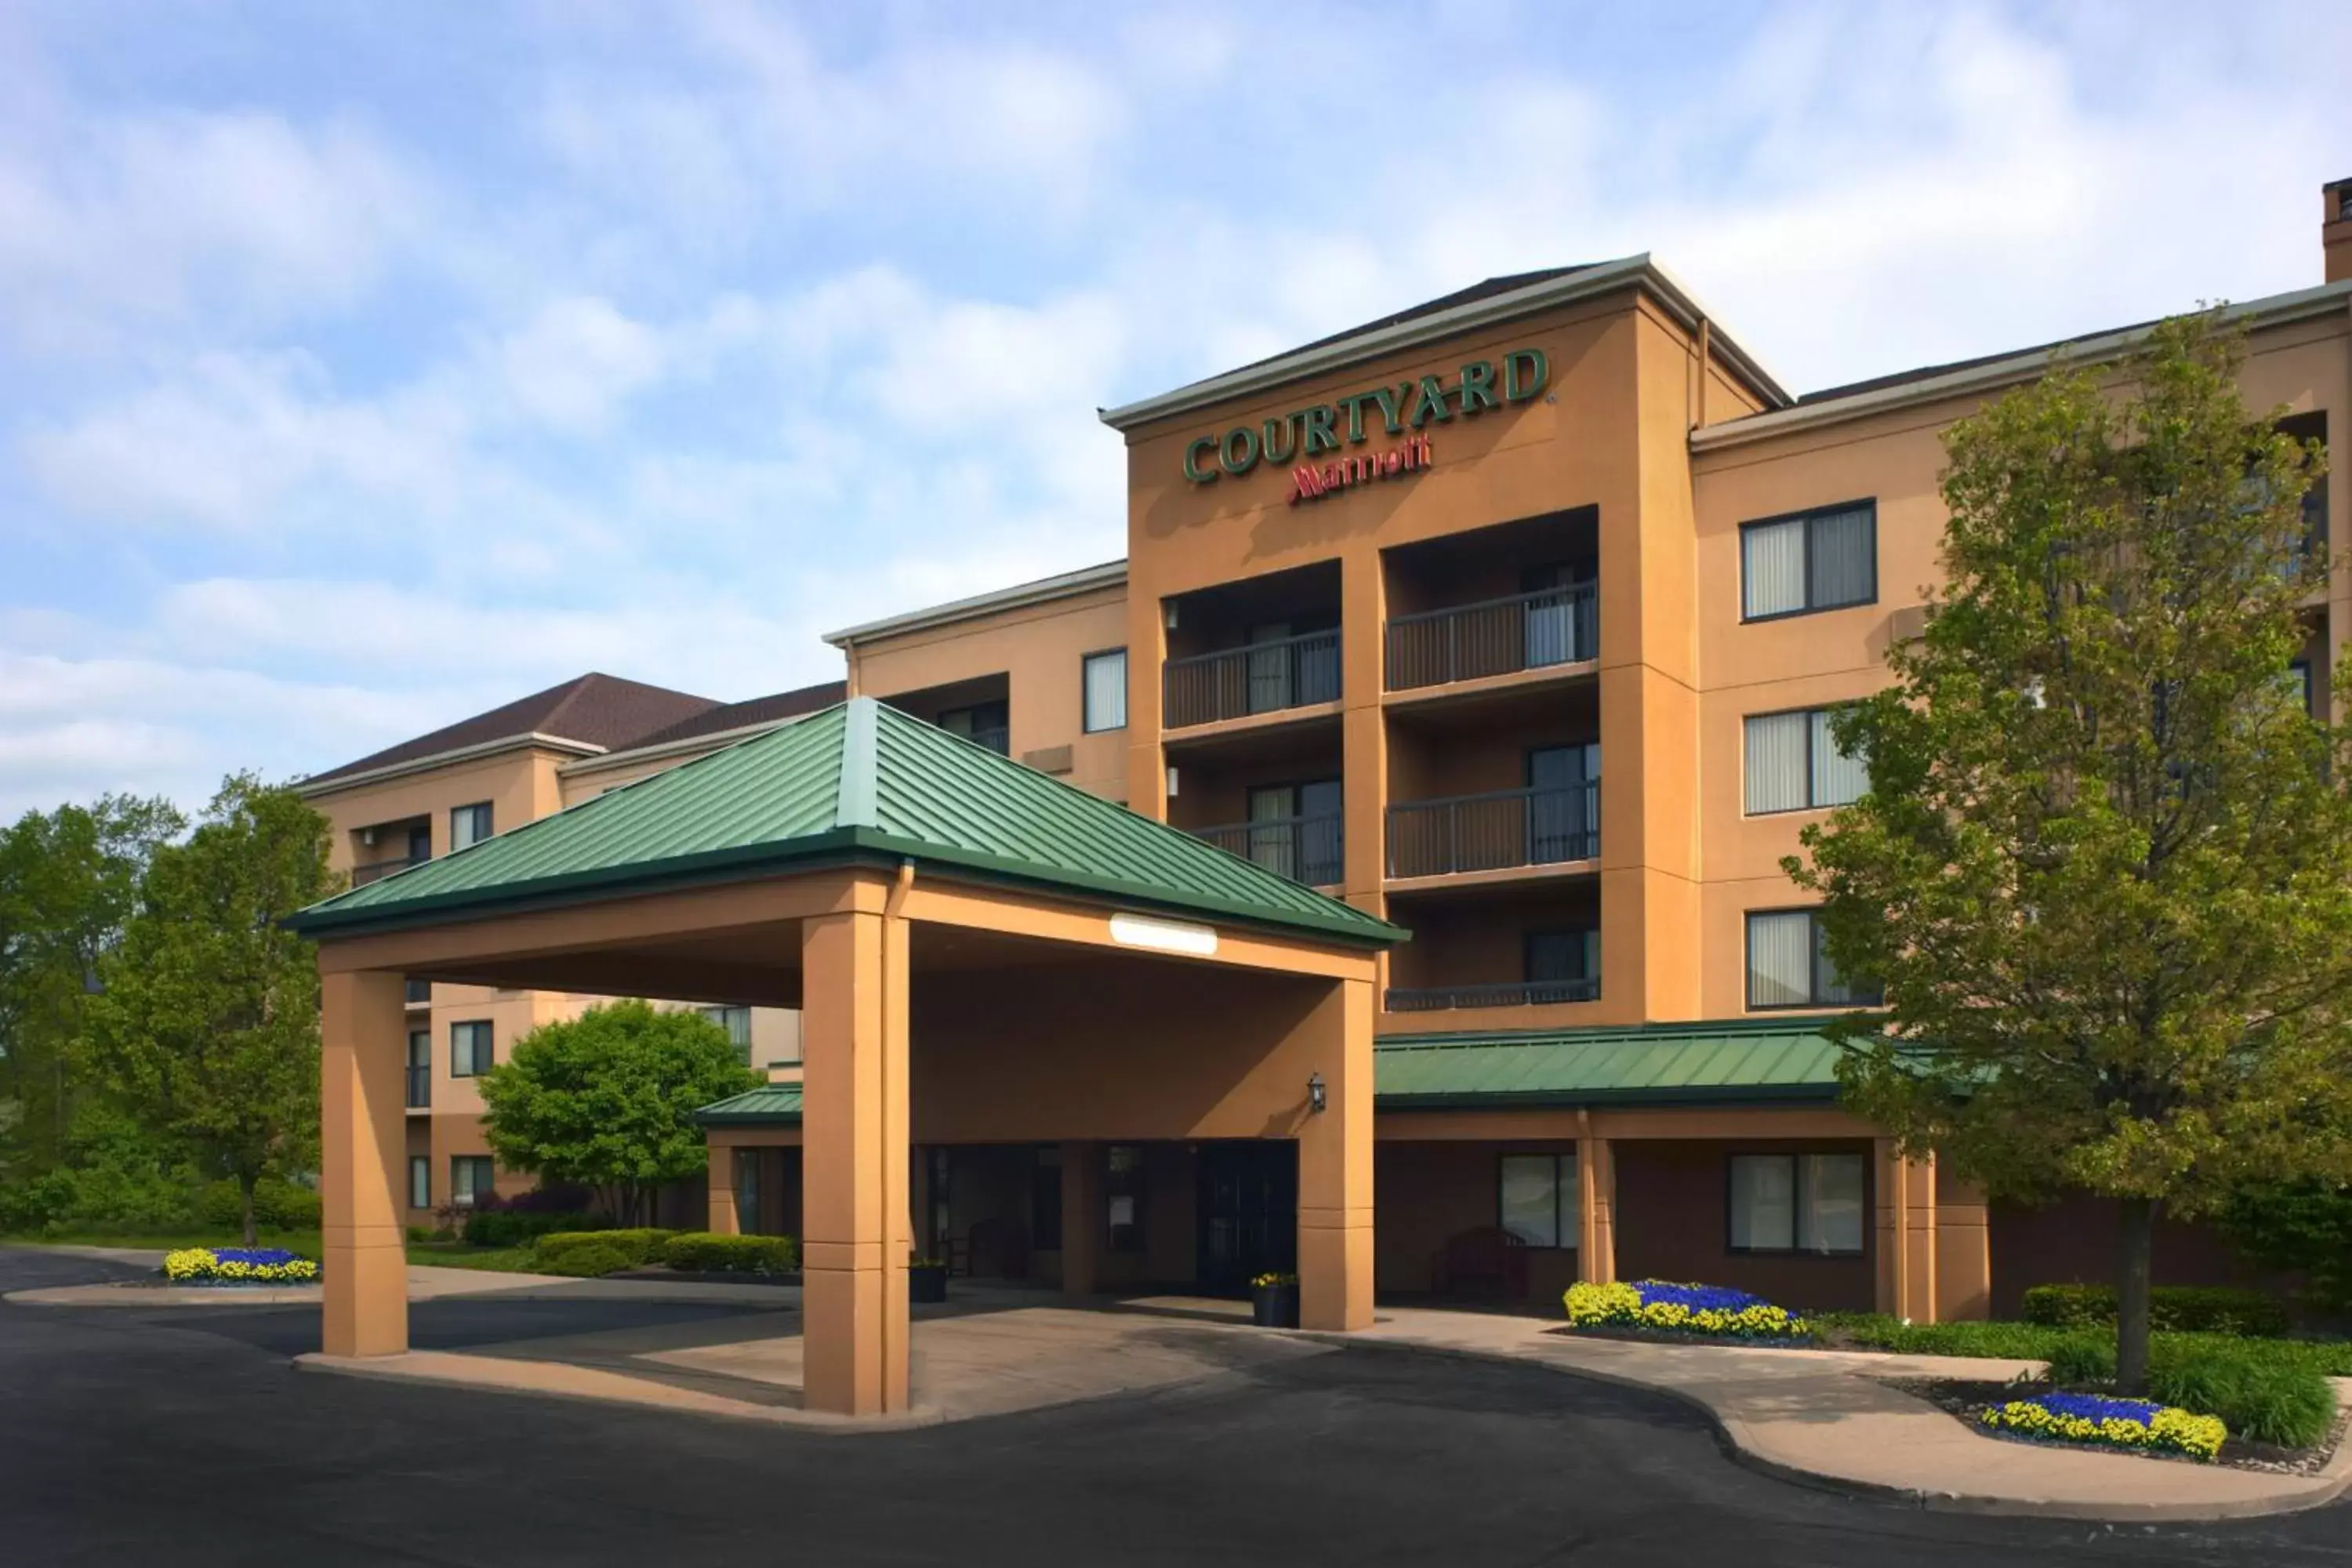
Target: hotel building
(1509,620)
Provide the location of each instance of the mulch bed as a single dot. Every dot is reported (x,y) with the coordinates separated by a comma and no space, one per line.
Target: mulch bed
(1667,1337)
(1968,1401)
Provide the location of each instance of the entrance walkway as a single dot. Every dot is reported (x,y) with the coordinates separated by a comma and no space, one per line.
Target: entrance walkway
(990,1352)
(1829,1417)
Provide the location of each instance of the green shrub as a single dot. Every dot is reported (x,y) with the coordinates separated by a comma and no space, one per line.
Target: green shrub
(634,1248)
(520,1228)
(278,1205)
(588,1254)
(2256,1398)
(2082,1361)
(2172,1309)
(36,1204)
(700,1251)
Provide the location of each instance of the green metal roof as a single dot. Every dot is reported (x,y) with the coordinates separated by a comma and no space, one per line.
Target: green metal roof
(1744,1059)
(770,1104)
(1738,1061)
(860,782)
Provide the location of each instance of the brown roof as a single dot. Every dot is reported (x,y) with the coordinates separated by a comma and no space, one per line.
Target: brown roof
(594,710)
(757,710)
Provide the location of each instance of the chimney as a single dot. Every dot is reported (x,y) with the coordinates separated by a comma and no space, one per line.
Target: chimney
(2336,229)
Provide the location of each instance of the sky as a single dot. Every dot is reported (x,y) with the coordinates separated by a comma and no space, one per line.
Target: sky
(366,366)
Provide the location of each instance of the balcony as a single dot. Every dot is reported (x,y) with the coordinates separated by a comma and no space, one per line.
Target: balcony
(1266,676)
(1307,849)
(362,875)
(1496,636)
(1519,993)
(420,1087)
(1496,831)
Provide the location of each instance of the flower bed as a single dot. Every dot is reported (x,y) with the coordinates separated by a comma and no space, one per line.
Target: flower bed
(2098,1421)
(238,1266)
(1696,1312)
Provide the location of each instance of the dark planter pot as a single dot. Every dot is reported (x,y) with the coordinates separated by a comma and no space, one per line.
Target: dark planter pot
(1275,1306)
(927,1283)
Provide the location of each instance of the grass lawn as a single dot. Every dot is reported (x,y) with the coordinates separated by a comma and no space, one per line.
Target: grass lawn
(2034,1341)
(510,1260)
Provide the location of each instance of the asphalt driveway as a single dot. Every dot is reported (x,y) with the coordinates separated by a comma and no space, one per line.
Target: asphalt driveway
(183,1436)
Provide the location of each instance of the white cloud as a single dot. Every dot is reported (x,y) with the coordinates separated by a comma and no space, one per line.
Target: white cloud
(109,226)
(725,328)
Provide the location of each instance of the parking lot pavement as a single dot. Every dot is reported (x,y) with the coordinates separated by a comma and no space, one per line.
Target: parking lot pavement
(129,1436)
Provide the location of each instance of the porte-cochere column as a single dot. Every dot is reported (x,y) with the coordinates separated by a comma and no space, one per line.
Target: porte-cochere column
(854,1152)
(1334,1166)
(362,1141)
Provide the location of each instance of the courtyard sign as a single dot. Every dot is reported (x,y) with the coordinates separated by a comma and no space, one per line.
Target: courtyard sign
(1410,405)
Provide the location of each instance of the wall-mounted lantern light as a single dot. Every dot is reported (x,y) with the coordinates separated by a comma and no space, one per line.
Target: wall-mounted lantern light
(1315,1095)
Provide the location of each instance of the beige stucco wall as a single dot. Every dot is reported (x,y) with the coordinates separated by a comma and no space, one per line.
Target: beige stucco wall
(1039,648)
(1802,661)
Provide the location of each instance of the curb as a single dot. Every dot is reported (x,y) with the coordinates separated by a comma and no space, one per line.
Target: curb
(2298,1495)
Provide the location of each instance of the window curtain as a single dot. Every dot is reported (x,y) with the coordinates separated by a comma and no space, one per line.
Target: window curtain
(1776,763)
(1530,1207)
(1772,568)
(1837,777)
(1780,959)
(1831,1219)
(1842,565)
(1763,1202)
(1106,691)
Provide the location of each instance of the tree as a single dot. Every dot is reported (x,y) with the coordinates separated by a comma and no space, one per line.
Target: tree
(69,879)
(607,1100)
(2104,869)
(207,1027)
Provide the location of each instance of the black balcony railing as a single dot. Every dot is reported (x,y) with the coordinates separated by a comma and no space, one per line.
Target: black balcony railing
(997,739)
(1491,832)
(1523,994)
(1261,678)
(1306,849)
(417,994)
(362,875)
(420,1087)
(1497,637)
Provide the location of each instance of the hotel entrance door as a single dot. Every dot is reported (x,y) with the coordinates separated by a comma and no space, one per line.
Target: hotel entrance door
(1248,1214)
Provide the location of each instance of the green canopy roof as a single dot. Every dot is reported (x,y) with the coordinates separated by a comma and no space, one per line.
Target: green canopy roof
(859,782)
(1745,1059)
(1739,1061)
(770,1104)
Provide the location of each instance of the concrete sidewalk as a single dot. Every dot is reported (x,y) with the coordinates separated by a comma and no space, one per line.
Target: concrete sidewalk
(1828,1417)
(426,1282)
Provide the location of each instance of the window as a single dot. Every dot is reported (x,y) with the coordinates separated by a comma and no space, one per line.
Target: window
(1538,1198)
(472,1177)
(986,724)
(1787,968)
(1816,561)
(420,1069)
(420,1181)
(1794,763)
(469,1049)
(747,1191)
(2298,685)
(1123,1193)
(1797,1202)
(1295,831)
(468,824)
(736,1022)
(1563,966)
(1106,690)
(418,993)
